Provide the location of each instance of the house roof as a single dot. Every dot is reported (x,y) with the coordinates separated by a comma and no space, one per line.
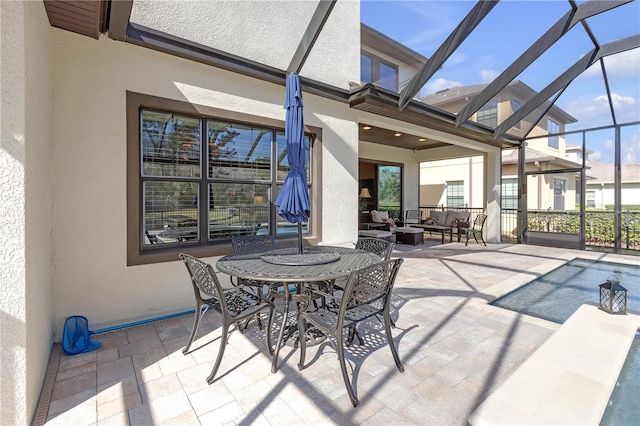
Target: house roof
(605,172)
(532,156)
(380,42)
(515,88)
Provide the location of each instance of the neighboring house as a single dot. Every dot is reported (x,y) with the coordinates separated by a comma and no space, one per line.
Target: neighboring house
(600,180)
(385,62)
(545,191)
(555,191)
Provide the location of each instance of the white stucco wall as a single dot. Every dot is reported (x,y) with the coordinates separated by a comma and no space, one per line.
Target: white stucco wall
(25,241)
(435,174)
(89,169)
(268,32)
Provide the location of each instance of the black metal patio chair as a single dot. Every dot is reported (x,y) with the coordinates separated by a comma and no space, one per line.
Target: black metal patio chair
(257,244)
(382,248)
(235,305)
(366,294)
(476,229)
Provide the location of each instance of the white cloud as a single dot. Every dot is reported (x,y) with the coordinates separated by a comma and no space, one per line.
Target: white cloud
(630,148)
(438,24)
(595,156)
(620,65)
(456,58)
(439,84)
(596,111)
(487,76)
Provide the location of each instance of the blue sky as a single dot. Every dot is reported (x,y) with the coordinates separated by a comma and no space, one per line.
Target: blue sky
(424,25)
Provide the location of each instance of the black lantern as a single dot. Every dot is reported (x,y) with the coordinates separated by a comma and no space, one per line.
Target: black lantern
(613,297)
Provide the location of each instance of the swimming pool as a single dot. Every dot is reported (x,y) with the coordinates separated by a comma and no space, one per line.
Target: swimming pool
(624,408)
(557,295)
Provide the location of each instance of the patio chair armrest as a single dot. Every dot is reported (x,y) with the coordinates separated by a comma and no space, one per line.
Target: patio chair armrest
(309,295)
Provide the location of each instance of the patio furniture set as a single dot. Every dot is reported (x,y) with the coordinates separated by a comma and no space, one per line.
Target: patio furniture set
(335,289)
(413,229)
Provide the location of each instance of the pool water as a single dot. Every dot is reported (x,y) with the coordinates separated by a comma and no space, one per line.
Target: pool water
(558,294)
(624,406)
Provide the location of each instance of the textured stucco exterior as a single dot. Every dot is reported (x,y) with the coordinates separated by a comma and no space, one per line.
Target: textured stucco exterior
(268,33)
(468,170)
(25,240)
(89,167)
(63,161)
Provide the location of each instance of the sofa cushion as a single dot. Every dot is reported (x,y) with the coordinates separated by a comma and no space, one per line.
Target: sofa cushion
(374,233)
(379,216)
(408,230)
(441,216)
(453,218)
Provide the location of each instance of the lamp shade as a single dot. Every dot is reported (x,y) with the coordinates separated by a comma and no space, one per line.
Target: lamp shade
(364,193)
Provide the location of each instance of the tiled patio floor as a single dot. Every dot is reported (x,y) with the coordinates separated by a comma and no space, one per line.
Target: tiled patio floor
(455,349)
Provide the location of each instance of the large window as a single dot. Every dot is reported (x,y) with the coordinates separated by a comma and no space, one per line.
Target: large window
(553,141)
(203,179)
(377,71)
(455,193)
(488,114)
(509,197)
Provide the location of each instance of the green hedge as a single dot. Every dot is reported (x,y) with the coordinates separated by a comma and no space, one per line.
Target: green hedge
(600,229)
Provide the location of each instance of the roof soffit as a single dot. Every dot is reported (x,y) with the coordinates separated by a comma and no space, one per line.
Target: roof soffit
(81,17)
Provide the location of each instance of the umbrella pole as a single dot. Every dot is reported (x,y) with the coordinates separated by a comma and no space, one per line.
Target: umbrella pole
(299,238)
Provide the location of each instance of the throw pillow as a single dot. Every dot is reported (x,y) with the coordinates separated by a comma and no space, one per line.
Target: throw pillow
(375,216)
(457,221)
(383,216)
(440,216)
(432,221)
(452,216)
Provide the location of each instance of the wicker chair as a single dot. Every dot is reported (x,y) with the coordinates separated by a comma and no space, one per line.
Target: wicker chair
(367,293)
(235,305)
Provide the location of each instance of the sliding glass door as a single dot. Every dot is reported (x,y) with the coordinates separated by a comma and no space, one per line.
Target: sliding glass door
(390,190)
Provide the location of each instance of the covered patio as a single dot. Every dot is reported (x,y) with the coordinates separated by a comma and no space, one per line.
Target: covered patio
(457,350)
(135,130)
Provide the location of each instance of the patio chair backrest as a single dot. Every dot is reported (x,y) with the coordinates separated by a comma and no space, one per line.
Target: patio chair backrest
(205,282)
(249,244)
(478,223)
(371,284)
(380,247)
(413,217)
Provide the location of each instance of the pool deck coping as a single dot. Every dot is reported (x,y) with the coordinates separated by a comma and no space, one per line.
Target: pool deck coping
(542,390)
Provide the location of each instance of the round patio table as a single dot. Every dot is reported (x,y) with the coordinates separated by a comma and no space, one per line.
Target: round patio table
(315,264)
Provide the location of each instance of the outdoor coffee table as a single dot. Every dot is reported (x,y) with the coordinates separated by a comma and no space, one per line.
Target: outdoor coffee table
(316,264)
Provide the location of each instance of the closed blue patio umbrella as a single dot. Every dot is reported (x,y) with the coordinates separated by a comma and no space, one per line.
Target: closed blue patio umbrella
(293,200)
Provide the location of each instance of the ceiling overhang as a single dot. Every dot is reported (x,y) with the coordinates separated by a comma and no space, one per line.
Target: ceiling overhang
(82,17)
(372,99)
